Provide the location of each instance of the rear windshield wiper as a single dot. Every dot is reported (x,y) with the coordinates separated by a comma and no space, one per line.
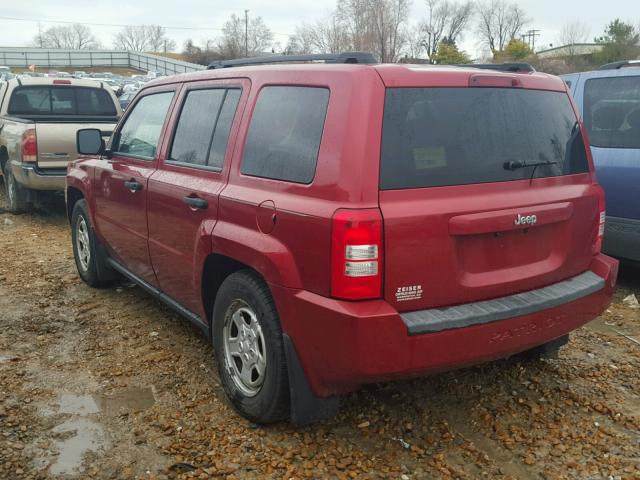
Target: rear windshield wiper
(515,164)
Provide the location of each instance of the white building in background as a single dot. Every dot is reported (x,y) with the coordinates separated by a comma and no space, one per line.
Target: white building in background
(570,50)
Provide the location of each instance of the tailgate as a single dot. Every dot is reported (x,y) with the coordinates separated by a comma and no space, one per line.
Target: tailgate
(484,192)
(469,243)
(57,142)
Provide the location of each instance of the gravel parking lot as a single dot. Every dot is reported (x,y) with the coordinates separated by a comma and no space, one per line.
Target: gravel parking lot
(111,384)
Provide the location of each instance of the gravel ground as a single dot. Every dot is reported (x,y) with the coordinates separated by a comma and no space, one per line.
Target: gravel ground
(111,384)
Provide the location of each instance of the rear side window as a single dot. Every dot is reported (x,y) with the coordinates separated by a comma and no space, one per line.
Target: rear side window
(285,133)
(61,100)
(140,133)
(203,128)
(453,136)
(612,111)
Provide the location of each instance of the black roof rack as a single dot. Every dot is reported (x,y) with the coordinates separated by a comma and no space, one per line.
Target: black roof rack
(344,57)
(501,67)
(618,65)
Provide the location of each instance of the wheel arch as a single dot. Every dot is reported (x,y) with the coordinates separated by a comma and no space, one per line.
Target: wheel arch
(215,270)
(73,196)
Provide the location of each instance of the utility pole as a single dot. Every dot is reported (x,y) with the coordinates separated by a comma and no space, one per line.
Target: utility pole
(531,36)
(246,33)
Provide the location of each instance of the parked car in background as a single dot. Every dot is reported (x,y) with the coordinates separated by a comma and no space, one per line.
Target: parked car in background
(79,74)
(609,100)
(329,226)
(4,69)
(126,98)
(39,118)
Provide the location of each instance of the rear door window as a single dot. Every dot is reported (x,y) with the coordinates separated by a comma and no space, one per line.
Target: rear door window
(140,133)
(285,133)
(454,136)
(203,128)
(61,100)
(612,111)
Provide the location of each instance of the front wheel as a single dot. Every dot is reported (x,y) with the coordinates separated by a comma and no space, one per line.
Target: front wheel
(248,343)
(89,257)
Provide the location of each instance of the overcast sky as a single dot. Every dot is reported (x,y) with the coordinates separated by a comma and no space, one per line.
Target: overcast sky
(206,17)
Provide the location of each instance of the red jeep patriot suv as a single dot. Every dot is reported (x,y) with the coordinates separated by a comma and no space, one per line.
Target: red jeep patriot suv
(335,224)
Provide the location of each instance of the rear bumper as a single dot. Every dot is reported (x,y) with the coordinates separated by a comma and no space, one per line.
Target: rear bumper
(33,178)
(622,238)
(342,344)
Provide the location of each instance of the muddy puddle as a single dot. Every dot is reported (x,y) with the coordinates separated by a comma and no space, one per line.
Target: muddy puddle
(82,430)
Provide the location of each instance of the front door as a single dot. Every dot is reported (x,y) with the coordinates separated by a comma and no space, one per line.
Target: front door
(183,192)
(122,180)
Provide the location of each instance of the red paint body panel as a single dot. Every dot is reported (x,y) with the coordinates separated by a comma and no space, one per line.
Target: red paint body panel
(458,242)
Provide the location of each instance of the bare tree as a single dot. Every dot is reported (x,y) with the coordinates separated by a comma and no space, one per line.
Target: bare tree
(572,34)
(499,22)
(355,18)
(445,20)
(76,37)
(232,42)
(157,40)
(324,36)
(389,18)
(132,38)
(144,38)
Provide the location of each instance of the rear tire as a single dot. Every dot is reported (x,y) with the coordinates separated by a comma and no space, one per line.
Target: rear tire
(89,255)
(247,339)
(17,195)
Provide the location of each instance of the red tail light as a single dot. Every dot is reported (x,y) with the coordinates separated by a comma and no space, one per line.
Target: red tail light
(29,146)
(62,82)
(597,246)
(356,254)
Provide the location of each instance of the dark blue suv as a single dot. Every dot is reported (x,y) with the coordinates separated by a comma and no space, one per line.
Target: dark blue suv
(609,100)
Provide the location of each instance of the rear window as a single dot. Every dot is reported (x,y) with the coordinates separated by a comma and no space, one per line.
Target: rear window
(612,111)
(59,100)
(454,136)
(285,133)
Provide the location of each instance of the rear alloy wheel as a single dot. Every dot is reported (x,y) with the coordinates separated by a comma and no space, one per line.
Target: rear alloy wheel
(244,348)
(247,338)
(17,201)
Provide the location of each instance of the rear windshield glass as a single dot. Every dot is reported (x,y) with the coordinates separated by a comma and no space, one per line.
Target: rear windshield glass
(61,100)
(453,136)
(612,111)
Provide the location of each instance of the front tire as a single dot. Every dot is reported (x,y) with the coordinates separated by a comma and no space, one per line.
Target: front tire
(90,258)
(247,339)
(17,196)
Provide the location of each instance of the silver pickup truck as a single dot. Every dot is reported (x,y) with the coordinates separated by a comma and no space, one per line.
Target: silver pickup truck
(39,118)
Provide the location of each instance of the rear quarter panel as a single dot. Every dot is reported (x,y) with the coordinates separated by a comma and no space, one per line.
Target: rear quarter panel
(296,253)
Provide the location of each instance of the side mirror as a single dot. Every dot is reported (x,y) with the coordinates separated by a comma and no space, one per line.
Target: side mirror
(89,141)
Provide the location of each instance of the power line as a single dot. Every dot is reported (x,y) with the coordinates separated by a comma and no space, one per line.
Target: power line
(119,25)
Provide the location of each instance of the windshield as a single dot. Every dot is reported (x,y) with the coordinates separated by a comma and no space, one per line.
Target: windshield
(454,136)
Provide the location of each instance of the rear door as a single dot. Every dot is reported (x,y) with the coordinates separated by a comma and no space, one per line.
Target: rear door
(183,192)
(121,182)
(465,217)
